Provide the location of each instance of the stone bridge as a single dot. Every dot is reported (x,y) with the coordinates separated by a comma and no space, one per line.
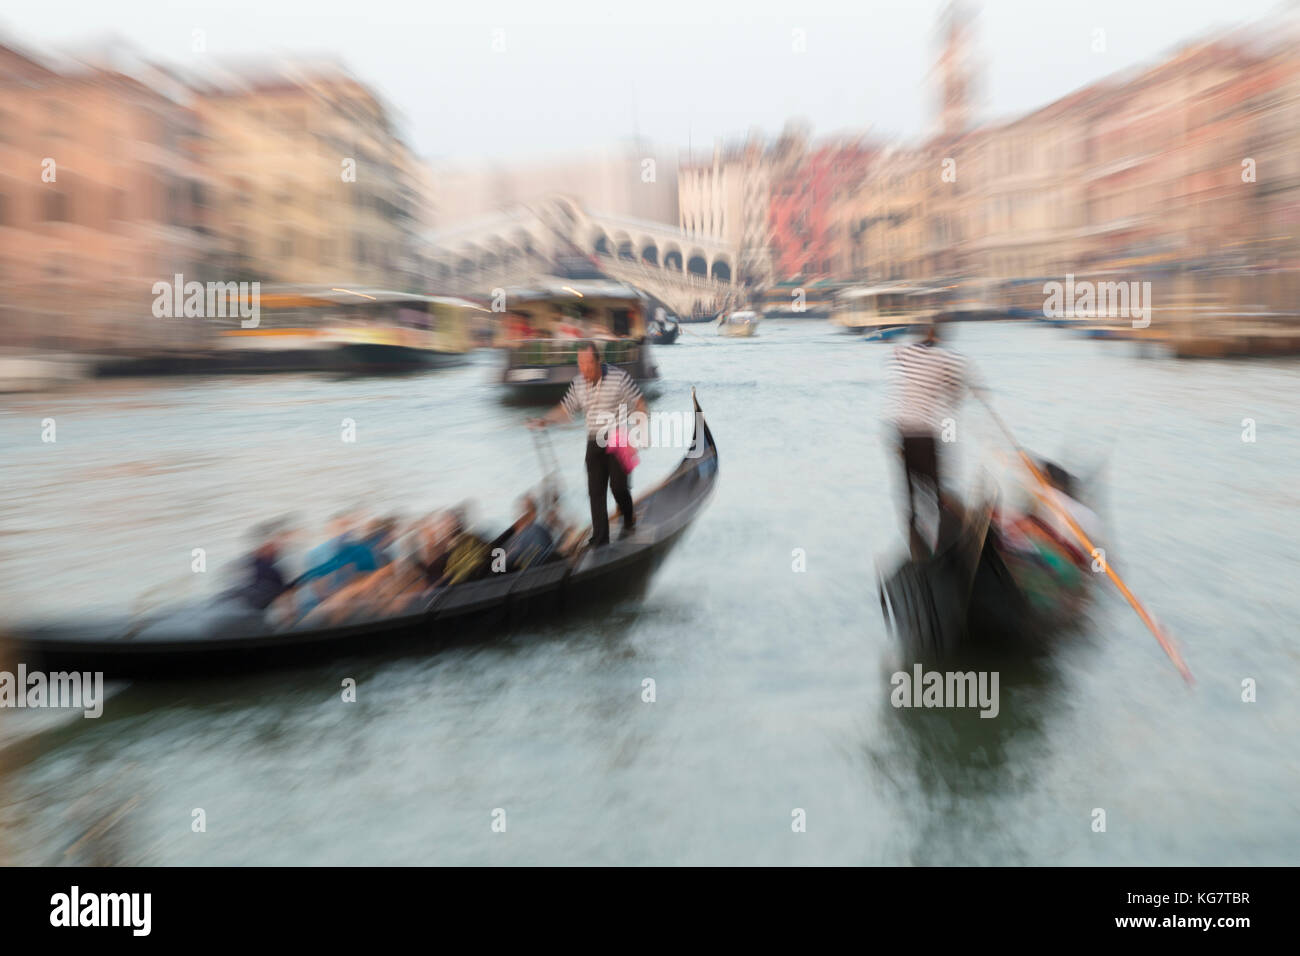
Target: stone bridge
(691,276)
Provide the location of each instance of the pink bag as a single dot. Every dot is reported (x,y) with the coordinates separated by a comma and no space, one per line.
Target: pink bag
(622,450)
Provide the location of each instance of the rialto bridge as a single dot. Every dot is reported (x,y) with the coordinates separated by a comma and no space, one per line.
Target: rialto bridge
(688,274)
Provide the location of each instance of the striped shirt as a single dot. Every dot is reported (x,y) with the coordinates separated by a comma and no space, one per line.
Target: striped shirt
(926,383)
(615,395)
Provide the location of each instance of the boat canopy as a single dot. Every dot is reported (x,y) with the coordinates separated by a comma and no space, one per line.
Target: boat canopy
(862,292)
(576,289)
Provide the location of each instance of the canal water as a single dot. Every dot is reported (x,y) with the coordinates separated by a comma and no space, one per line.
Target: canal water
(762,632)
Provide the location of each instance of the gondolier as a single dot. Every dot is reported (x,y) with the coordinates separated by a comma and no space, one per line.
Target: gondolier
(608,396)
(928,381)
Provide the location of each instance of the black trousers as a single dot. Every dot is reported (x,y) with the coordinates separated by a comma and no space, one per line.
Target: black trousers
(604,471)
(921,468)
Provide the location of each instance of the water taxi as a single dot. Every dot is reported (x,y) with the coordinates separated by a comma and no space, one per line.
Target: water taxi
(355,330)
(884,311)
(312,329)
(546,323)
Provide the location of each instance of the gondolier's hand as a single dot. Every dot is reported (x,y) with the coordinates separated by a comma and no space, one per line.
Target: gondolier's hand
(553,417)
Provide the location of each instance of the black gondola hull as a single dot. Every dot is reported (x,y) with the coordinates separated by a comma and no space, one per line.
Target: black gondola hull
(966,602)
(183,644)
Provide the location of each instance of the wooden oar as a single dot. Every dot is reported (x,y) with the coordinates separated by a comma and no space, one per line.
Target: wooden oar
(1165,641)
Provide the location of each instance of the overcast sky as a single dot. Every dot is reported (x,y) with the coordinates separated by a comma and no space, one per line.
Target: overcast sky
(576,74)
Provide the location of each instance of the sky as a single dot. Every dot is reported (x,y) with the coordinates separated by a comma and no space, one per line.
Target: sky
(521,81)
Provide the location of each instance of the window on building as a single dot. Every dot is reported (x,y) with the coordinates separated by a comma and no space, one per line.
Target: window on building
(58,208)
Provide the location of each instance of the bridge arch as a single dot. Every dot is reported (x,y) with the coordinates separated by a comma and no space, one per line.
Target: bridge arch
(650,253)
(721,269)
(697,264)
(672,258)
(565,208)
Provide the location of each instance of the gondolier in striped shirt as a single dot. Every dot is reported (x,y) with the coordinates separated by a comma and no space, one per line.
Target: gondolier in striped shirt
(927,383)
(608,396)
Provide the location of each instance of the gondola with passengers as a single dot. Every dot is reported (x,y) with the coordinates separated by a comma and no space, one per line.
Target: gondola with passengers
(379,583)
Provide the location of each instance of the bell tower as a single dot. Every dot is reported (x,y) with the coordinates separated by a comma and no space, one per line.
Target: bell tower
(954,70)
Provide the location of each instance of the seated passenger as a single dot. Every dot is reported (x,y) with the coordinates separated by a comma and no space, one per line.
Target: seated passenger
(517,328)
(528,541)
(264,582)
(390,589)
(340,532)
(467,553)
(432,544)
(353,557)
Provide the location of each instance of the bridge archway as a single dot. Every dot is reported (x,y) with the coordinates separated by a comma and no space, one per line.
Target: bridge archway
(721,270)
(650,254)
(697,264)
(673,259)
(565,208)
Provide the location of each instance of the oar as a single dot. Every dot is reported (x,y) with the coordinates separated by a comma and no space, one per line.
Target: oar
(1165,642)
(706,341)
(543,441)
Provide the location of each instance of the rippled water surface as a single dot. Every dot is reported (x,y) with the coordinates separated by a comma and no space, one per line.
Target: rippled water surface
(772,685)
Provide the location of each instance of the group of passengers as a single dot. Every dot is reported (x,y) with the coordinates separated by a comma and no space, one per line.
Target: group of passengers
(1042,534)
(521,325)
(384,566)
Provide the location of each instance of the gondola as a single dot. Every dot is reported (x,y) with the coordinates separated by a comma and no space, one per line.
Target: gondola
(662,333)
(194,641)
(739,324)
(975,597)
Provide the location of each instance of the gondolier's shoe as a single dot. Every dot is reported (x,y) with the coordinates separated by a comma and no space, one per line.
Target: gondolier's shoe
(627,532)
